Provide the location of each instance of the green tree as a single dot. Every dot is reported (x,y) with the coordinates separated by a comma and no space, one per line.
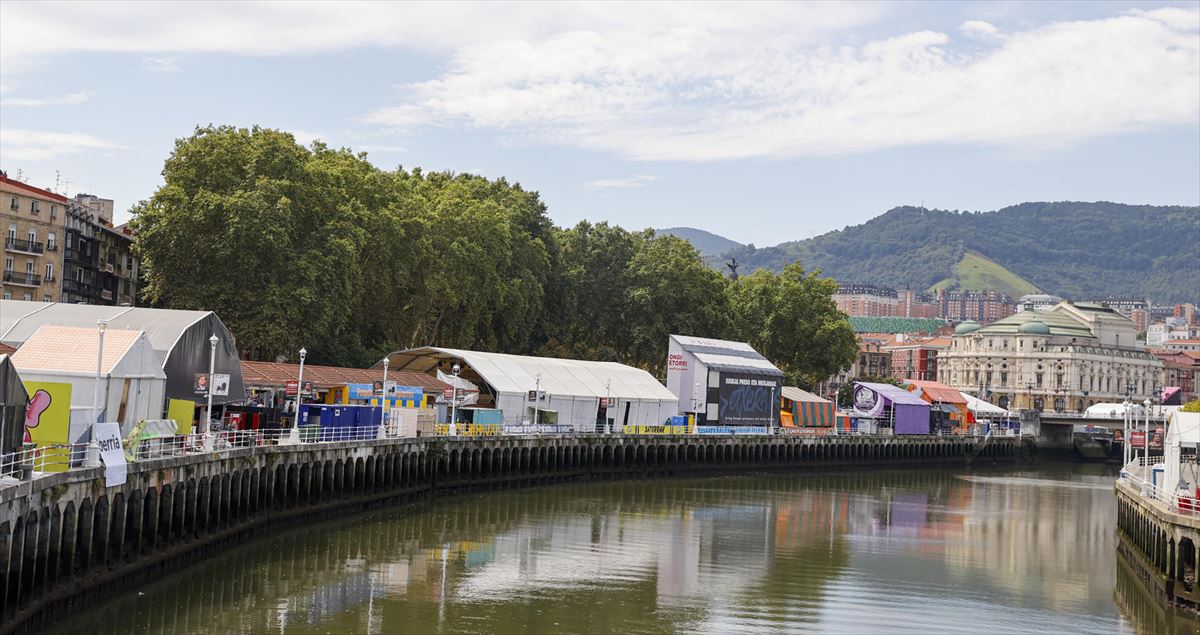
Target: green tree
(791,319)
(1191,406)
(668,289)
(244,225)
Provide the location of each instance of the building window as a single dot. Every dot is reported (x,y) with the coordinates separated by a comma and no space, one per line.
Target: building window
(13,204)
(1038,379)
(12,232)
(1058,380)
(8,295)
(1003,378)
(8,264)
(53,212)
(49,272)
(33,207)
(1060,405)
(51,241)
(32,236)
(47,298)
(27,296)
(1003,403)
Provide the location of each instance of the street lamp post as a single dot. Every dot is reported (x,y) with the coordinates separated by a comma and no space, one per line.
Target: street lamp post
(299,388)
(212,361)
(383,394)
(92,458)
(537,397)
(456,369)
(1146,441)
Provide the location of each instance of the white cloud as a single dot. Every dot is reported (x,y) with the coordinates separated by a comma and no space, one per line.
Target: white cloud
(38,145)
(160,64)
(978,28)
(687,93)
(637,180)
(63,100)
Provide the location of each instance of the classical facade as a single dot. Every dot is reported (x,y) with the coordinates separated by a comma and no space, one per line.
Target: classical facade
(1063,359)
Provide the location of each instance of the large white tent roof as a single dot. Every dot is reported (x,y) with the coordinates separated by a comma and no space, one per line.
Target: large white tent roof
(981,407)
(1185,426)
(559,377)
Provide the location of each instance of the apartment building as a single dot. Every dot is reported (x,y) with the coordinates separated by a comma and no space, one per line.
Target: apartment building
(34,220)
(65,250)
(866,300)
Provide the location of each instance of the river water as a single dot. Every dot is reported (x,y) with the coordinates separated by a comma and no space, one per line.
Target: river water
(1025,549)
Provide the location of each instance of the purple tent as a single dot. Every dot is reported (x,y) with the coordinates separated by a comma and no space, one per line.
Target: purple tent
(910,412)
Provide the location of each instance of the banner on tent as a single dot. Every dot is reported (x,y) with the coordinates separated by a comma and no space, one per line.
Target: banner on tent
(48,421)
(108,437)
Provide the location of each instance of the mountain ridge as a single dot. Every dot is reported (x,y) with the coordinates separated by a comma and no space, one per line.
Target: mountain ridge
(1071,248)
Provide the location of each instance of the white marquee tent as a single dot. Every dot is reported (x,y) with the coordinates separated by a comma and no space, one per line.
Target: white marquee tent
(1183,432)
(983,409)
(132,383)
(179,338)
(573,388)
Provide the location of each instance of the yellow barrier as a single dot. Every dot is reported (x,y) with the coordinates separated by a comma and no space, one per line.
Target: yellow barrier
(657,430)
(470,429)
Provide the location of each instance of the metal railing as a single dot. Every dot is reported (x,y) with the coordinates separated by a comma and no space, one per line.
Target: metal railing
(23,278)
(1131,474)
(61,458)
(22,245)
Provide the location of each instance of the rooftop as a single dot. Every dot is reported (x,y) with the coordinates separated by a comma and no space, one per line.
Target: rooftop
(1057,321)
(277,374)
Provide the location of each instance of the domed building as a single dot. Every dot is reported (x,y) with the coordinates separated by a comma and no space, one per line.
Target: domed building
(1063,359)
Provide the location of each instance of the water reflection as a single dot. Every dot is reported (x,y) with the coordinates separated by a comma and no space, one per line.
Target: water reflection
(903,551)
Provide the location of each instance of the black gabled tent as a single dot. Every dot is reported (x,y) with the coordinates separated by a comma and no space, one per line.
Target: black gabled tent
(13,401)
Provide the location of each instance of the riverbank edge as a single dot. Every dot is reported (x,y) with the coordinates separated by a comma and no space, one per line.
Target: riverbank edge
(116,579)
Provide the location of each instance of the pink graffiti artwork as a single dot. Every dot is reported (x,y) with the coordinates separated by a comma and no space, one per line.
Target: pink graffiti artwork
(33,414)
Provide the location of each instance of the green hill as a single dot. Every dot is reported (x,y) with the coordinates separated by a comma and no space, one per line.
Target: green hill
(707,243)
(976,272)
(1073,249)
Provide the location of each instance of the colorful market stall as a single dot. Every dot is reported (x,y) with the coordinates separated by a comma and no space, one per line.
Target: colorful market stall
(948,408)
(889,406)
(800,409)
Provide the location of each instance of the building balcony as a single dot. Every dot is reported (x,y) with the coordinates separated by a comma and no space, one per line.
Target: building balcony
(51,247)
(108,267)
(23,246)
(22,279)
(75,255)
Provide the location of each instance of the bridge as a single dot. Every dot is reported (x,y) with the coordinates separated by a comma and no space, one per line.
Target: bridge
(66,537)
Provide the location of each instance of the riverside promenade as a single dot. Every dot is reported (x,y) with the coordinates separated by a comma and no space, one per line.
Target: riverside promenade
(66,538)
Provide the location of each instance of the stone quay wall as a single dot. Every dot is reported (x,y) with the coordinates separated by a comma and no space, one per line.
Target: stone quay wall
(67,538)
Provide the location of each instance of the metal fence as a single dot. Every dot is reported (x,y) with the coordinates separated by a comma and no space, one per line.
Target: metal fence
(1132,473)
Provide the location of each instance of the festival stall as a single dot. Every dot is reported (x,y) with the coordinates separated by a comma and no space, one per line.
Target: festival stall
(888,406)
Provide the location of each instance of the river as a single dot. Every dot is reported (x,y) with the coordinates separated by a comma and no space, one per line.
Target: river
(1021,549)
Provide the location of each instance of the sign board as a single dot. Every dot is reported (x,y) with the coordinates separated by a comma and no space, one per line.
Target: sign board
(48,421)
(536,395)
(291,388)
(747,400)
(448,393)
(604,402)
(108,437)
(377,388)
(200,384)
(220,385)
(182,412)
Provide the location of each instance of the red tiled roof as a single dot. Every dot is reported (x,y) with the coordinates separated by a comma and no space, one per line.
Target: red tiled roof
(274,374)
(36,190)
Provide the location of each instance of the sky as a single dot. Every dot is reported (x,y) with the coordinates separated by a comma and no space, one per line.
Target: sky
(760,122)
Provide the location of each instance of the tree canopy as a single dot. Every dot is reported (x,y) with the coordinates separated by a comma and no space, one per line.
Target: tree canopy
(317,247)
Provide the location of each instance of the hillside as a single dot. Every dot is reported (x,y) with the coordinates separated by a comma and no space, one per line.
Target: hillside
(1077,250)
(977,273)
(707,243)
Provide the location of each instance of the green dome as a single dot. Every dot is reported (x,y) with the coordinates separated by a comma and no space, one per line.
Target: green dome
(967,326)
(1034,327)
